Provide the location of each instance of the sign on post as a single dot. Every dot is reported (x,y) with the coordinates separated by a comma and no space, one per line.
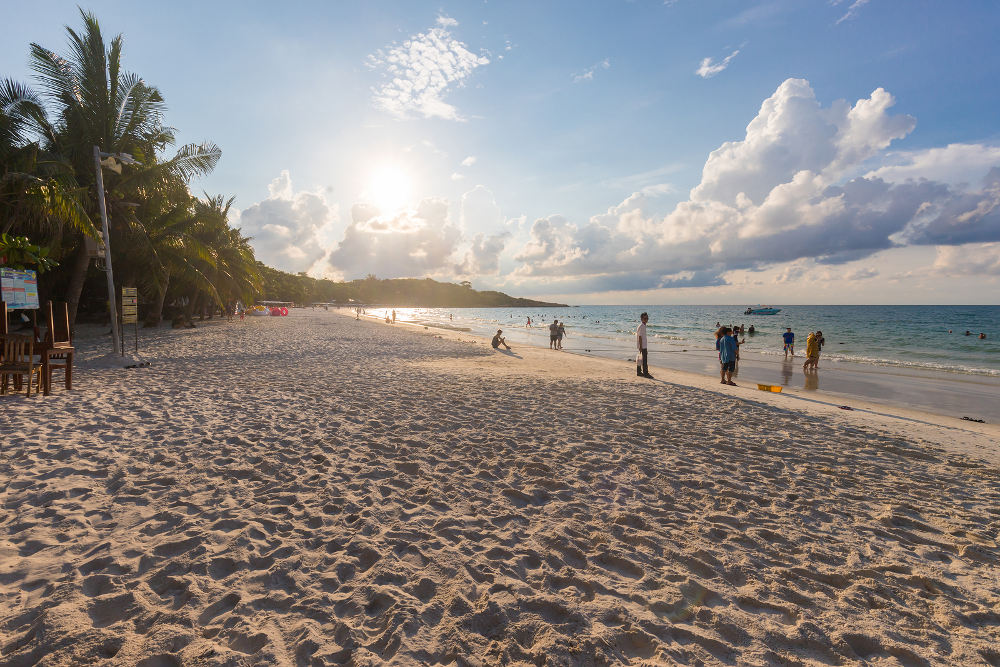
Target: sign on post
(130,313)
(130,304)
(19,288)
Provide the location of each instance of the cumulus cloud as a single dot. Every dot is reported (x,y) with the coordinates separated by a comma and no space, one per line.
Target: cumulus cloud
(588,74)
(288,227)
(788,190)
(968,260)
(420,71)
(709,67)
(469,161)
(412,243)
(481,217)
(483,255)
(955,164)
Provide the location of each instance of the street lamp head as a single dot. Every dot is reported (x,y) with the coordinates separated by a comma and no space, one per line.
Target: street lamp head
(126,158)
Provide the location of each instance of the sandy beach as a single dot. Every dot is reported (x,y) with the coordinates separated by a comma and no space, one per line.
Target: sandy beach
(315,490)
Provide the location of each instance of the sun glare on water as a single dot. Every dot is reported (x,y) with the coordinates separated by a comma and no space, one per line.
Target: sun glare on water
(388,188)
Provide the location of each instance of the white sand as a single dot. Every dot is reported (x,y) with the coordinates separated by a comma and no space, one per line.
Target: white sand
(315,490)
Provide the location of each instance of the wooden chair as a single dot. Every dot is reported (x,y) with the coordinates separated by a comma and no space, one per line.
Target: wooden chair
(19,360)
(56,352)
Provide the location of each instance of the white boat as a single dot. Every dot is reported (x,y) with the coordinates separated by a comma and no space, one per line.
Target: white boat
(761,310)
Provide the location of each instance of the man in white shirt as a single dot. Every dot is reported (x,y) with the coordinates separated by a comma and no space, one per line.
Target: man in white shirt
(642,343)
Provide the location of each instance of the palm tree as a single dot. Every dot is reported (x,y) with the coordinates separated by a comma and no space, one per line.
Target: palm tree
(37,193)
(97,103)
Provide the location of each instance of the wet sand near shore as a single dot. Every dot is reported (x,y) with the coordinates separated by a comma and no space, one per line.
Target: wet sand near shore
(319,490)
(943,393)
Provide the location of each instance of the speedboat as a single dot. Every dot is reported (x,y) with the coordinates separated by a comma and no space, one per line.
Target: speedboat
(761,310)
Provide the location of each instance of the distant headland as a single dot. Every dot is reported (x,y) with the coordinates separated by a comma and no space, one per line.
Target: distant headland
(403,292)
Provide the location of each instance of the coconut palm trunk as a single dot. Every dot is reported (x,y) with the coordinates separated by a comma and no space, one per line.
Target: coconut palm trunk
(81,262)
(156,314)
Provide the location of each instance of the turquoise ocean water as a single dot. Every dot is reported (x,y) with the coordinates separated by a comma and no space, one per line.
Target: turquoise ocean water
(914,337)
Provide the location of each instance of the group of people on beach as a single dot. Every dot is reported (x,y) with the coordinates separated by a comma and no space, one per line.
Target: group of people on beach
(556,332)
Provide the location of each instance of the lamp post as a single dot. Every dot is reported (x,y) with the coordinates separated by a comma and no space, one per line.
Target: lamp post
(126,159)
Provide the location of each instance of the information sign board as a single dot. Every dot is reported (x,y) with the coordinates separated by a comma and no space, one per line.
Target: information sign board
(19,288)
(130,300)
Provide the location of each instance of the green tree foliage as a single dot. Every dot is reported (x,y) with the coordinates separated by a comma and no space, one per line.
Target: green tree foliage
(401,292)
(173,246)
(19,252)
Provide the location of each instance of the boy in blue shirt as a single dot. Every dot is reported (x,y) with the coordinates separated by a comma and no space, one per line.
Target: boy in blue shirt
(789,339)
(728,346)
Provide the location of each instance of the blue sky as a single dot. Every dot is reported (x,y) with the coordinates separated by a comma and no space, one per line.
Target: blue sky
(693,151)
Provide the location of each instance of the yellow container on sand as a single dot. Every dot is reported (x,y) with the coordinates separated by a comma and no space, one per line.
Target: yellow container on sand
(769,387)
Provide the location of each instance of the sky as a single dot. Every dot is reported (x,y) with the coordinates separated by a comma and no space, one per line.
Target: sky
(591,152)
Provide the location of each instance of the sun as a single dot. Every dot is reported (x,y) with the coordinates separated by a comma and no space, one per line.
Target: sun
(388,188)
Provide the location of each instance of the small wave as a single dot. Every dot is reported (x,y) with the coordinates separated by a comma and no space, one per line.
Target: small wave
(892,363)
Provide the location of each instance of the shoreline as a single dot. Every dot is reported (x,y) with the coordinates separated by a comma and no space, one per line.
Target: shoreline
(939,392)
(977,439)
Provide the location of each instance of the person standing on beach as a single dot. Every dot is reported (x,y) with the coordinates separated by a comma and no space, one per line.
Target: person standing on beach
(393,315)
(812,352)
(789,339)
(560,332)
(642,345)
(553,334)
(728,348)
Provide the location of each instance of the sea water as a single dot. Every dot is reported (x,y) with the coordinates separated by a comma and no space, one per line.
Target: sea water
(918,337)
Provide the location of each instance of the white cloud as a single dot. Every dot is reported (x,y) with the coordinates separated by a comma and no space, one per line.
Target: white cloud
(783,193)
(480,211)
(955,164)
(975,259)
(852,11)
(588,74)
(413,243)
(483,255)
(709,68)
(455,176)
(469,161)
(288,227)
(420,71)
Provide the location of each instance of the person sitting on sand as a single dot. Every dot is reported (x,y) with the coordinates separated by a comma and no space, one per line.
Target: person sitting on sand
(498,340)
(727,346)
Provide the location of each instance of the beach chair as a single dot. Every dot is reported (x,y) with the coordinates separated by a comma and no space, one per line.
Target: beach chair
(56,351)
(18,360)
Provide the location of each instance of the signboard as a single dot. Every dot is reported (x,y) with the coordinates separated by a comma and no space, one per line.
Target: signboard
(19,288)
(130,304)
